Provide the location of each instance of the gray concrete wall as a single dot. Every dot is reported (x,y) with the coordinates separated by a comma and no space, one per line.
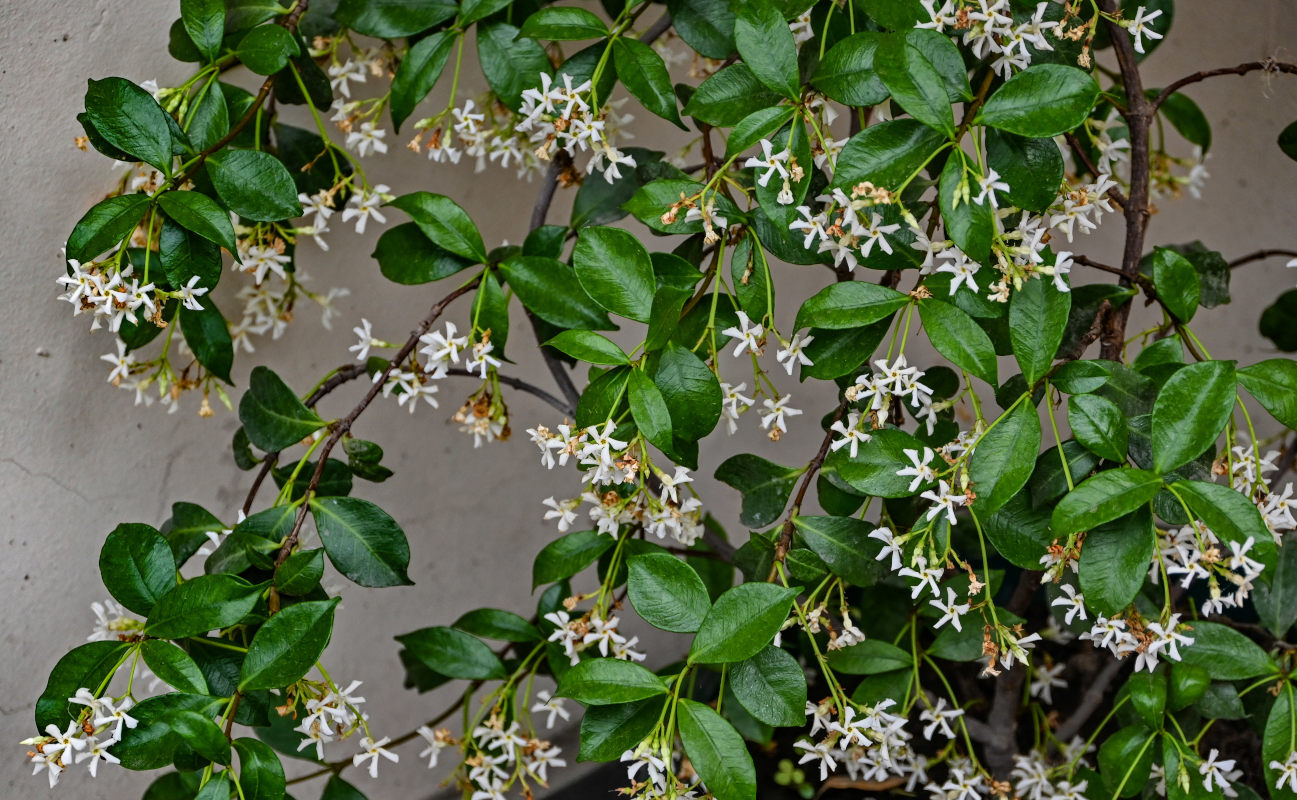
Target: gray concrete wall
(76,457)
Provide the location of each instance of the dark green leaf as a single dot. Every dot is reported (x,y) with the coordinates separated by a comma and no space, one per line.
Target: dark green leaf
(705,25)
(568,555)
(173,666)
(1037,319)
(1273,383)
(608,681)
(471,11)
(1019,531)
(873,470)
(728,96)
(589,346)
(886,154)
(1033,168)
(444,222)
(1188,683)
(742,622)
(201,604)
(691,391)
(969,224)
(1099,425)
(608,731)
(207,335)
(199,213)
(667,592)
(843,543)
(1230,515)
(771,686)
(492,623)
(453,653)
(913,66)
(767,47)
(287,646)
(389,19)
(1005,457)
(1103,498)
(418,73)
(1225,653)
(300,573)
(128,118)
(645,75)
(261,775)
(870,657)
(187,529)
(266,49)
(201,733)
(1177,283)
(717,752)
(959,339)
(254,185)
(89,666)
(137,566)
(1148,696)
(650,411)
(273,417)
(852,304)
(1115,559)
(1190,412)
(846,73)
(204,21)
(362,540)
(406,255)
(1043,100)
(615,270)
(106,224)
(1276,603)
(1279,742)
(564,24)
(1125,760)
(765,486)
(185,254)
(549,289)
(601,399)
(511,65)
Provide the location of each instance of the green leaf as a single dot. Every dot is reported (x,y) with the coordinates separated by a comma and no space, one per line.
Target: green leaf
(615,270)
(471,11)
(969,224)
(1018,530)
(254,185)
(405,255)
(445,223)
(959,339)
(493,623)
(207,335)
(1188,684)
(667,592)
(1037,319)
(911,65)
(873,470)
(603,397)
(1226,654)
(760,124)
(897,15)
(137,566)
(886,154)
(644,75)
(362,540)
(1177,284)
(204,22)
(567,555)
(843,543)
(852,304)
(1115,559)
(705,25)
(173,666)
(691,391)
(1273,383)
(1042,101)
(1230,515)
(266,49)
(1276,604)
(1148,696)
(261,775)
(389,19)
(767,47)
(765,486)
(201,604)
(742,621)
(1098,424)
(88,665)
(548,288)
(1103,498)
(418,73)
(1279,741)
(287,646)
(1033,168)
(588,346)
(202,734)
(1190,411)
(1125,760)
(300,573)
(564,24)
(199,213)
(1005,458)
(870,657)
(511,65)
(609,731)
(272,415)
(185,254)
(1080,377)
(104,225)
(453,653)
(1288,140)
(725,98)
(187,529)
(771,685)
(608,681)
(128,118)
(717,752)
(650,411)
(846,73)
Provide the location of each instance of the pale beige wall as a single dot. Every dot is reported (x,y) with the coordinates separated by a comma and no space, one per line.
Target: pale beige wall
(76,457)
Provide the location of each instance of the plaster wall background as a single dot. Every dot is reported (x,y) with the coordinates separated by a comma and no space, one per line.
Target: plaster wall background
(76,457)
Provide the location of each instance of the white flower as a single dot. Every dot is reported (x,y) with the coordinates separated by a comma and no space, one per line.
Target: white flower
(791,355)
(364,204)
(919,468)
(1138,27)
(1044,680)
(990,183)
(320,204)
(341,74)
(97,751)
(1214,771)
(551,704)
(925,575)
(944,500)
(852,434)
(122,363)
(643,757)
(365,332)
(480,358)
(114,714)
(671,483)
(1062,266)
(817,751)
(938,719)
(564,512)
(950,610)
(890,547)
(770,161)
(778,409)
(874,234)
(748,333)
(437,741)
(1287,772)
(370,751)
(733,403)
(261,260)
(540,759)
(189,294)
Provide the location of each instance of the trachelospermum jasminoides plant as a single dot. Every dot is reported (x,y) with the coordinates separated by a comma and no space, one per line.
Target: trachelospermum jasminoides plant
(974,586)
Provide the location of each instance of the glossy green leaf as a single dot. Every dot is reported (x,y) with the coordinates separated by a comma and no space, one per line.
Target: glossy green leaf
(1190,412)
(208,337)
(568,555)
(843,543)
(254,185)
(1273,383)
(199,213)
(204,22)
(564,24)
(1098,424)
(667,592)
(615,270)
(1005,457)
(846,73)
(300,573)
(969,224)
(137,566)
(1230,515)
(1043,100)
(870,657)
(742,621)
(886,154)
(184,254)
(201,604)
(852,304)
(471,11)
(266,49)
(705,25)
(201,733)
(590,347)
(1177,284)
(1279,740)
(1276,603)
(766,45)
(910,65)
(549,289)
(493,623)
(362,540)
(765,486)
(128,118)
(717,752)
(1186,685)
(608,681)
(88,665)
(649,410)
(1125,760)
(1226,654)
(1103,498)
(1115,559)
(445,223)
(644,74)
(511,65)
(453,653)
(608,731)
(173,666)
(728,96)
(107,223)
(261,775)
(873,470)
(288,645)
(691,391)
(1148,696)
(406,255)
(273,417)
(1033,168)
(959,339)
(389,19)
(418,73)
(771,686)
(1037,319)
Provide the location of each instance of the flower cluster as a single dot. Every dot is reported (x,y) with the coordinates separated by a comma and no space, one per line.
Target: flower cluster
(87,739)
(592,631)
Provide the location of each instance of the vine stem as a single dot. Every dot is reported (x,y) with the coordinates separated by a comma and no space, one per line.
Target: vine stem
(1268,65)
(786,534)
(343,426)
